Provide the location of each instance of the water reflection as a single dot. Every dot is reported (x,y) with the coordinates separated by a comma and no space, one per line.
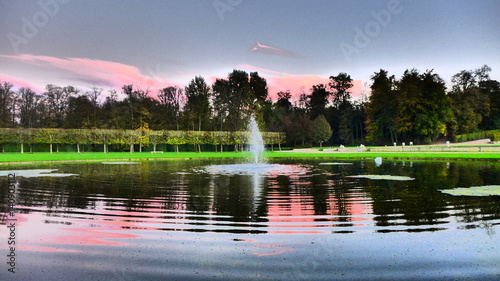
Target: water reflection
(110,204)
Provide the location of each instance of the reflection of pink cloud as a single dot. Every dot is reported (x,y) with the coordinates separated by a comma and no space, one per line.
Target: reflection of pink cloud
(32,248)
(94,72)
(275,249)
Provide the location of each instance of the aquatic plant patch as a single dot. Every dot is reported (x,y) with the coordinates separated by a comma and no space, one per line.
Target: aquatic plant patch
(383,177)
(35,173)
(486,190)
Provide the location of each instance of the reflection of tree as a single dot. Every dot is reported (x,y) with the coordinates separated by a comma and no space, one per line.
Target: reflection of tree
(420,202)
(233,197)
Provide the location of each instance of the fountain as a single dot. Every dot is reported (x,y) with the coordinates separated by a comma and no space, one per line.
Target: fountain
(255,140)
(258,165)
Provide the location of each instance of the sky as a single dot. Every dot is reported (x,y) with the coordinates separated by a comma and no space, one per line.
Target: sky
(293,44)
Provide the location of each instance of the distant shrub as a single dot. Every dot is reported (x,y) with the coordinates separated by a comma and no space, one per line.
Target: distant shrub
(494,135)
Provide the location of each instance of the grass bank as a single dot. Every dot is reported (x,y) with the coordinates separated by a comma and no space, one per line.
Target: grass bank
(125,156)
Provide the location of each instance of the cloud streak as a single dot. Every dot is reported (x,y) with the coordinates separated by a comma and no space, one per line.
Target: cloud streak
(91,72)
(18,83)
(271,50)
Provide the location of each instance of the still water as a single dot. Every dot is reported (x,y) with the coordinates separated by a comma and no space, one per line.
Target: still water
(211,220)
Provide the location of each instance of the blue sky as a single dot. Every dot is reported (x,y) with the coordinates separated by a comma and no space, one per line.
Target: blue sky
(155,44)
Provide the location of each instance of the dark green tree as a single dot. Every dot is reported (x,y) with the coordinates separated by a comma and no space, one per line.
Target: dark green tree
(236,97)
(80,114)
(322,130)
(340,86)
(318,100)
(470,104)
(381,108)
(197,109)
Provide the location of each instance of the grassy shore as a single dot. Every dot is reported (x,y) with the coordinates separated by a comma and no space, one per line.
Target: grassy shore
(7,158)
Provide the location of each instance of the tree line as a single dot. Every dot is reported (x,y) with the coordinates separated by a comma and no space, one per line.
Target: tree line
(416,107)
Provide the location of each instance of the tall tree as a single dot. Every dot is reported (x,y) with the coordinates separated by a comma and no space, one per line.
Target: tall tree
(93,95)
(56,100)
(30,108)
(258,87)
(470,104)
(236,97)
(80,114)
(171,100)
(7,105)
(197,107)
(340,86)
(318,100)
(491,88)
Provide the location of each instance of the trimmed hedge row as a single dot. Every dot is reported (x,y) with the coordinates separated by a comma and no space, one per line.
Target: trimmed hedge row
(143,138)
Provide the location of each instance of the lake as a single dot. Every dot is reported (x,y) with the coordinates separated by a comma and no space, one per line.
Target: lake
(221,220)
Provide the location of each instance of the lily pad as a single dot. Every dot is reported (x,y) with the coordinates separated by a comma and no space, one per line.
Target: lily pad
(35,173)
(486,190)
(383,177)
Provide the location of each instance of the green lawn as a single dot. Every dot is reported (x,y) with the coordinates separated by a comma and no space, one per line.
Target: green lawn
(125,156)
(394,155)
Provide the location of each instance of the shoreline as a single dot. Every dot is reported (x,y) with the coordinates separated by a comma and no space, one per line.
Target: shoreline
(16,158)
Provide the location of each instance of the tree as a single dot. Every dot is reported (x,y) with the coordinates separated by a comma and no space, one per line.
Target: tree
(30,108)
(318,100)
(115,113)
(415,107)
(434,105)
(258,87)
(322,130)
(139,115)
(491,89)
(340,86)
(56,100)
(94,96)
(236,97)
(381,108)
(80,113)
(284,101)
(470,104)
(7,105)
(197,107)
(171,101)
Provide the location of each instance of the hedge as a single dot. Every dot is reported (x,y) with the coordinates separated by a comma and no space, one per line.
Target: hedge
(143,138)
(492,135)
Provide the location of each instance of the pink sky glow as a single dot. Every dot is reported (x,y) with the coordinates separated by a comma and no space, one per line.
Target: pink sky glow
(84,73)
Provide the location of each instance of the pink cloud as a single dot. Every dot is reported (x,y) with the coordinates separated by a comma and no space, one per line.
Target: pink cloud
(94,72)
(296,84)
(18,83)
